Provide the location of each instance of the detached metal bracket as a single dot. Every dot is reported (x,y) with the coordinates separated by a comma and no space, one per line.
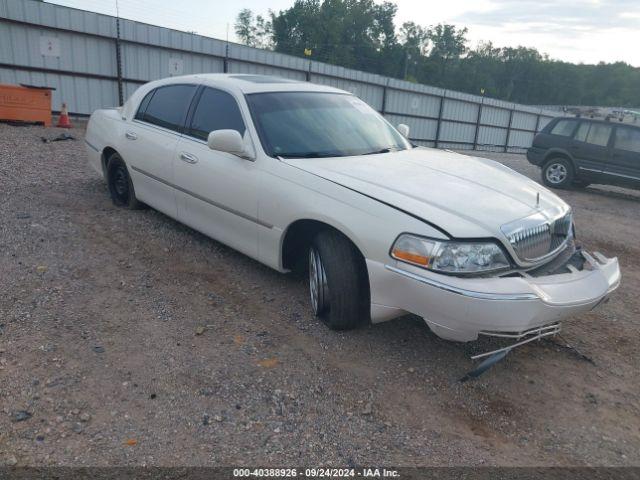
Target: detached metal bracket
(495,356)
(485,365)
(528,336)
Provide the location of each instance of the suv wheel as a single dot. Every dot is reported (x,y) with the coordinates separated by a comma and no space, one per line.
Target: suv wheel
(558,173)
(338,282)
(581,184)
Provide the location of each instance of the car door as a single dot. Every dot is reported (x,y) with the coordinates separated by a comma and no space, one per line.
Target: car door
(590,148)
(625,158)
(151,139)
(218,191)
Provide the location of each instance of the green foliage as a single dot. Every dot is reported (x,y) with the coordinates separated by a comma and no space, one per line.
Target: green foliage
(361,34)
(254,32)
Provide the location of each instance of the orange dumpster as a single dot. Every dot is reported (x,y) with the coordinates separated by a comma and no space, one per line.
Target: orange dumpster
(25,103)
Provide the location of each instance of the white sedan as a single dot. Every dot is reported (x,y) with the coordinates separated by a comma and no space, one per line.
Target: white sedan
(298,175)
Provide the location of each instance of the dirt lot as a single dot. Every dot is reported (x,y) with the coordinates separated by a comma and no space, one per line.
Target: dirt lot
(126,338)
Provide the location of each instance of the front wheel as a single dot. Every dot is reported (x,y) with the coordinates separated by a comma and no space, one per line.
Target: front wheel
(581,184)
(558,173)
(338,282)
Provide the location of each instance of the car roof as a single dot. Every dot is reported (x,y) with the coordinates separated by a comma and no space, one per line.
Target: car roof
(249,83)
(600,120)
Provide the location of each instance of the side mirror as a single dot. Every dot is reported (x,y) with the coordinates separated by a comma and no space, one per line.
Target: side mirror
(404,130)
(229,141)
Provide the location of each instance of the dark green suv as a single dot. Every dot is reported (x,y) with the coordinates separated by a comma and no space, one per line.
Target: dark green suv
(580,151)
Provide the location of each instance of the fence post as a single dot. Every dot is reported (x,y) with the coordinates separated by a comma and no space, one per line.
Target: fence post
(119,63)
(384,97)
(475,138)
(506,143)
(537,124)
(440,109)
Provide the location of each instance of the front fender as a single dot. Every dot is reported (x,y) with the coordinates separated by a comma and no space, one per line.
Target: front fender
(558,152)
(290,194)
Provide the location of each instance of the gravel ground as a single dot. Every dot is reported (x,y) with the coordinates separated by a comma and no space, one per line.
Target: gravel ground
(129,339)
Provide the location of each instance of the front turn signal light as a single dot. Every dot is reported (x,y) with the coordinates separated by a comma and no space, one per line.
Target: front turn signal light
(413,249)
(410,257)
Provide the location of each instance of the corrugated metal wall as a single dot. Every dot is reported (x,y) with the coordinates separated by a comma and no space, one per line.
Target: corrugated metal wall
(74,51)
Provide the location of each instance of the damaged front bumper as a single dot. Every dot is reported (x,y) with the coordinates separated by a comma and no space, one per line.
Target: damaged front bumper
(518,305)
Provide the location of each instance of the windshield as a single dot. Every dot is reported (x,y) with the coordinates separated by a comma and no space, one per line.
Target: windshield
(316,124)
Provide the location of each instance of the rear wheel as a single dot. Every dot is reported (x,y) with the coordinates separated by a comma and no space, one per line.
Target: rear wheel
(120,185)
(558,173)
(338,282)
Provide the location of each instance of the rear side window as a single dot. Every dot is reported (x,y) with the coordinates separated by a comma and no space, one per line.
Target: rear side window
(599,134)
(628,139)
(583,130)
(168,106)
(216,110)
(594,133)
(564,128)
(144,104)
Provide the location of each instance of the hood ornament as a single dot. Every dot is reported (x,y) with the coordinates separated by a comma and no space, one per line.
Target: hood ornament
(538,200)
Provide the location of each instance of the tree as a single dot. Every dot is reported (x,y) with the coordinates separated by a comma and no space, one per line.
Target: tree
(415,41)
(254,31)
(352,33)
(361,34)
(447,44)
(245,28)
(263,32)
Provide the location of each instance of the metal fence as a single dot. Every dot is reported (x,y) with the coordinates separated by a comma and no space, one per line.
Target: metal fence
(80,55)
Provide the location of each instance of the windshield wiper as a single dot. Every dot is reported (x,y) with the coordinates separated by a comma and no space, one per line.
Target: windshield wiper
(308,155)
(382,150)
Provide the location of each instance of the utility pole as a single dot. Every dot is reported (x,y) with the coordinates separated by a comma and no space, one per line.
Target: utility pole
(478,120)
(119,57)
(307,53)
(407,57)
(225,64)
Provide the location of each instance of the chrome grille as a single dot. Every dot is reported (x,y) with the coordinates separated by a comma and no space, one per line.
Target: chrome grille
(542,239)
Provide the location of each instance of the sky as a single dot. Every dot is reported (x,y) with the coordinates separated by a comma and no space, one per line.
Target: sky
(586,31)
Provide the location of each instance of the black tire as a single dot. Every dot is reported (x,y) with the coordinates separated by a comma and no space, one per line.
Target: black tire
(343,298)
(120,185)
(580,184)
(558,173)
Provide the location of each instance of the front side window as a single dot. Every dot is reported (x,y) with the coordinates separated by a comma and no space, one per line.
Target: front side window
(216,110)
(168,106)
(320,124)
(564,128)
(628,139)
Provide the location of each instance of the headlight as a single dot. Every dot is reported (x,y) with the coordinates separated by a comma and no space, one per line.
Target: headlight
(449,256)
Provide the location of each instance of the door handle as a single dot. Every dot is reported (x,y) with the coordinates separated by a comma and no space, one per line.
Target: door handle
(131,136)
(187,157)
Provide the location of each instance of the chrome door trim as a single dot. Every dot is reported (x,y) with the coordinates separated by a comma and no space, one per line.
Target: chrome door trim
(590,169)
(203,199)
(621,175)
(156,127)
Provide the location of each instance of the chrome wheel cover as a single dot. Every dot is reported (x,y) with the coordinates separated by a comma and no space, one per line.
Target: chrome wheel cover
(556,173)
(318,287)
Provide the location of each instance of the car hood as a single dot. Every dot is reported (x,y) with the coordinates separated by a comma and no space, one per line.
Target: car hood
(465,196)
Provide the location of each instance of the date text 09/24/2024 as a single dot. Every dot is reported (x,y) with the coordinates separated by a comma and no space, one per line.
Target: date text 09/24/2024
(315,473)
